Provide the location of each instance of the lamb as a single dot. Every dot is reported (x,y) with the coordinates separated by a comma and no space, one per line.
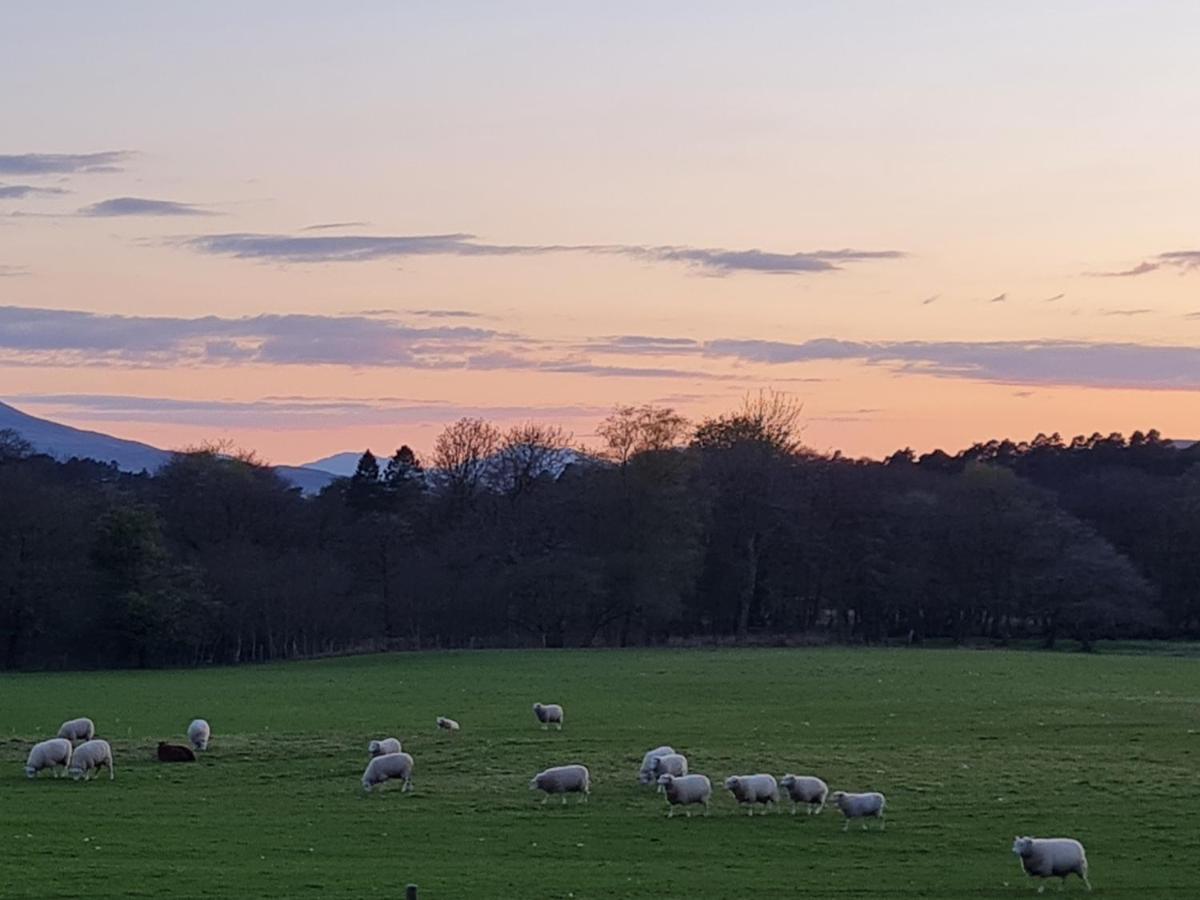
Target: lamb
(89,757)
(574,779)
(860,806)
(49,755)
(199,734)
(685,791)
(386,745)
(751,789)
(670,764)
(388,766)
(550,713)
(807,789)
(447,724)
(77,730)
(646,773)
(1052,857)
(174,753)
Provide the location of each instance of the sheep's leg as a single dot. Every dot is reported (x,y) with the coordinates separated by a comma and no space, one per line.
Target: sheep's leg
(706,807)
(1087,884)
(545,799)
(564,803)
(793,807)
(846,825)
(558,725)
(670,812)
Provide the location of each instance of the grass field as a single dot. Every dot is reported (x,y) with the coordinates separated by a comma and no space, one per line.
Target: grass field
(970,747)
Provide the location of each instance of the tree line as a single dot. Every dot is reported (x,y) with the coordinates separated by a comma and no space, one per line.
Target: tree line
(726,529)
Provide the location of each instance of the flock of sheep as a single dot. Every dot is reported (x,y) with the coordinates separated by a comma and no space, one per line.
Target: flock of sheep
(1040,857)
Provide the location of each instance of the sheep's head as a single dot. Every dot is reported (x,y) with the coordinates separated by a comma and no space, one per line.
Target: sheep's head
(731,783)
(837,796)
(535,782)
(787,781)
(666,779)
(30,772)
(373,748)
(1022,845)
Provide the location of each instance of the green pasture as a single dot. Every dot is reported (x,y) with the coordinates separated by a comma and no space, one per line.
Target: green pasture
(970,747)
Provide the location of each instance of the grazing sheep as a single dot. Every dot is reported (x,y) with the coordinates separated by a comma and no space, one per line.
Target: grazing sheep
(49,755)
(386,767)
(199,734)
(1052,858)
(77,730)
(90,756)
(685,791)
(563,780)
(447,724)
(751,789)
(386,745)
(550,713)
(646,773)
(807,789)
(670,764)
(860,806)
(171,753)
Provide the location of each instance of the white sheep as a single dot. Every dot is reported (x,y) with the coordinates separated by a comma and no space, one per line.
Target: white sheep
(646,773)
(670,764)
(77,730)
(385,745)
(549,714)
(1052,858)
(574,779)
(685,791)
(386,767)
(860,806)
(88,757)
(751,789)
(447,724)
(49,755)
(807,789)
(199,734)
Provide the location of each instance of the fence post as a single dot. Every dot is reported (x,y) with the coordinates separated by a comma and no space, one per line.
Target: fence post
(410,892)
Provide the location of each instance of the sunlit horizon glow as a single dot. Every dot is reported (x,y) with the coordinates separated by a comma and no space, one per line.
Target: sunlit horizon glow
(310,230)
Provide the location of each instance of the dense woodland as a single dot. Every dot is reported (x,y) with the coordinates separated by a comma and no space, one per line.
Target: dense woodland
(725,530)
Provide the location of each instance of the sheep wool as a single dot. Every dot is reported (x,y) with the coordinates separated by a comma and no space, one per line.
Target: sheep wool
(860,806)
(49,755)
(77,730)
(1052,858)
(384,745)
(670,764)
(384,768)
(807,789)
(199,733)
(751,789)
(447,724)
(686,791)
(646,773)
(549,714)
(89,757)
(573,779)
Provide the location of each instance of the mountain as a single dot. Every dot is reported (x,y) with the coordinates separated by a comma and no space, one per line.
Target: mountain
(63,442)
(342,464)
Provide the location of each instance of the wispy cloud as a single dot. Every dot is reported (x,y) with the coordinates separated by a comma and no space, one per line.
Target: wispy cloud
(1126,312)
(49,337)
(1079,363)
(288,413)
(333,226)
(12,271)
(1054,299)
(999,298)
(18,191)
(1186,260)
(363,248)
(444,313)
(60,163)
(928,300)
(1140,269)
(141,206)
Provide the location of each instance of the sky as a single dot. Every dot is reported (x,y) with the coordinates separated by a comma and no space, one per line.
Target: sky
(309,228)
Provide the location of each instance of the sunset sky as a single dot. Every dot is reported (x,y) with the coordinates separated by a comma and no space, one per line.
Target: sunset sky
(318,227)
